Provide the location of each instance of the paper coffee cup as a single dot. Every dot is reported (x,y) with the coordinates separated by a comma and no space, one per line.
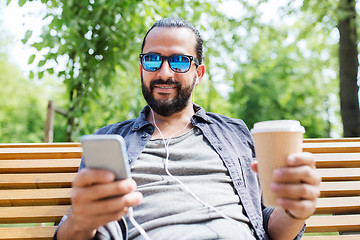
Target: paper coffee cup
(274,141)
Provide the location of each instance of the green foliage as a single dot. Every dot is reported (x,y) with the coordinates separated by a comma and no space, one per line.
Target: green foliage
(255,70)
(287,72)
(99,40)
(21,112)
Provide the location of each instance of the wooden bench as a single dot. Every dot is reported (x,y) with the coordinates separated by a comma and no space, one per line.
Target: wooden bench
(35,187)
(338,208)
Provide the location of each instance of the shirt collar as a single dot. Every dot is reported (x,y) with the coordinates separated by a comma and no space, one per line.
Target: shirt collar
(201,113)
(141,121)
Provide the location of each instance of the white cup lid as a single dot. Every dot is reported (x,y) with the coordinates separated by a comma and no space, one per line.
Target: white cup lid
(278,126)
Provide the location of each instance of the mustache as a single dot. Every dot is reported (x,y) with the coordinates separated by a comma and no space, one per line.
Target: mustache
(167,82)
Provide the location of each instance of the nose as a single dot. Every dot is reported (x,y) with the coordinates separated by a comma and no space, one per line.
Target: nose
(165,72)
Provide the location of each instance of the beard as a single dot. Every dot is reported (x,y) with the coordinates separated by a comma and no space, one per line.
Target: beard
(167,107)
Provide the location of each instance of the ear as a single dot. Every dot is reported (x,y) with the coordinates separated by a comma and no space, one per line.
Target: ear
(200,71)
(140,68)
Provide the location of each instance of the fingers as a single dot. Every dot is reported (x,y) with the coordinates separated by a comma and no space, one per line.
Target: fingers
(94,184)
(297,185)
(97,199)
(300,159)
(100,212)
(298,209)
(88,177)
(119,204)
(296,191)
(87,218)
(101,191)
(300,168)
(301,174)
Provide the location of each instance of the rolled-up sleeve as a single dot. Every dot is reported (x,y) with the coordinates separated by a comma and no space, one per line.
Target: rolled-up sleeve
(267,211)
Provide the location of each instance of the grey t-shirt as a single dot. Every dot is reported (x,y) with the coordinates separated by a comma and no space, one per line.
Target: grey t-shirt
(168,211)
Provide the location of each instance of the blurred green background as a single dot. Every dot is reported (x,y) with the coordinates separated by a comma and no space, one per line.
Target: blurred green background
(265,60)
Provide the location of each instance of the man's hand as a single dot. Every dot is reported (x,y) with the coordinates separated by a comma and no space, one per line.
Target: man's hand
(297,185)
(297,188)
(96,200)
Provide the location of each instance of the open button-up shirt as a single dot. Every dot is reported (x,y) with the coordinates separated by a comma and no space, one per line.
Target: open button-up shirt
(229,137)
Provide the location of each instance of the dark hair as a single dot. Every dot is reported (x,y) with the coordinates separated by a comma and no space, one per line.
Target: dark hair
(179,23)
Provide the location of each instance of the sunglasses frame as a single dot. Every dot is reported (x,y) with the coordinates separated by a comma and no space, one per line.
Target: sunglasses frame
(167,58)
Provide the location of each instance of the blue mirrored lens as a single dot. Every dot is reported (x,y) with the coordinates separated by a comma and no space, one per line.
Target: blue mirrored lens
(180,63)
(152,62)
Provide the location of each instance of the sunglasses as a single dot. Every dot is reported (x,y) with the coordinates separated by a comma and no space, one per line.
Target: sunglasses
(178,63)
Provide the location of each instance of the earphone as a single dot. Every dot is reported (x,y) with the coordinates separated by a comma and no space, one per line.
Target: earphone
(193,93)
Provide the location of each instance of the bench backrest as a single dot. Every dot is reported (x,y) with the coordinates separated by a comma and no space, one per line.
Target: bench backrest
(35,187)
(338,208)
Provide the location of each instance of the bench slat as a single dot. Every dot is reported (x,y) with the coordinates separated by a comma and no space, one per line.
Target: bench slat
(346,139)
(35,197)
(39,153)
(334,237)
(39,145)
(338,189)
(337,156)
(38,166)
(27,233)
(336,223)
(317,140)
(337,163)
(34,214)
(42,180)
(339,174)
(332,147)
(337,160)
(338,205)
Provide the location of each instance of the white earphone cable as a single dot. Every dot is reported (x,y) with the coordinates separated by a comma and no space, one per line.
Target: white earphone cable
(166,144)
(166,160)
(136,225)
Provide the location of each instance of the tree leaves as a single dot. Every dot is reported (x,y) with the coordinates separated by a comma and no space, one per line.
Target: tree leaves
(31,59)
(256,70)
(40,75)
(23,106)
(22,2)
(41,63)
(27,36)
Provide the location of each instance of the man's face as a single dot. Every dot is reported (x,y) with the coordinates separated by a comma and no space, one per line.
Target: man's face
(166,91)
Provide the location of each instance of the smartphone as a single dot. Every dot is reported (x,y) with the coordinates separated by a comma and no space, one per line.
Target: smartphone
(106,152)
